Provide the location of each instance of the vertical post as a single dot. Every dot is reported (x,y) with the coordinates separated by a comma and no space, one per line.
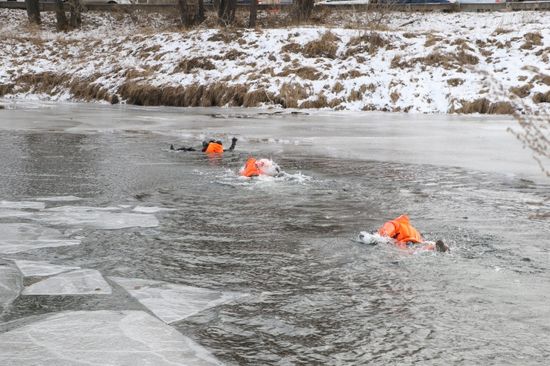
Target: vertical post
(76,18)
(200,12)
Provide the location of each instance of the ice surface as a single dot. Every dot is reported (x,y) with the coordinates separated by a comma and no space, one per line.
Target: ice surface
(32,268)
(97,217)
(22,204)
(150,209)
(13,213)
(10,284)
(21,237)
(59,198)
(78,282)
(172,302)
(129,338)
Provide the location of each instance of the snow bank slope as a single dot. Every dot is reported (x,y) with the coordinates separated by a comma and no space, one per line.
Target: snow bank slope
(440,63)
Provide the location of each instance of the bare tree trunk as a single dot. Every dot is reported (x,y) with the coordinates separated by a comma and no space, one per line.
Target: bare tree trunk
(33,11)
(76,18)
(185,15)
(199,18)
(62,24)
(253,14)
(302,10)
(226,11)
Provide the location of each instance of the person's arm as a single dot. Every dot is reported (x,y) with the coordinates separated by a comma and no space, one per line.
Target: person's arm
(182,148)
(233,144)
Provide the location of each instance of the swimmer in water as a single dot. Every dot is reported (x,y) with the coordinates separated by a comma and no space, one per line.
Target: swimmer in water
(405,236)
(255,168)
(210,147)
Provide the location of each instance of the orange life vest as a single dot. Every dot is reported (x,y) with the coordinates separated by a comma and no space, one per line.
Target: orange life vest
(214,147)
(250,168)
(401,230)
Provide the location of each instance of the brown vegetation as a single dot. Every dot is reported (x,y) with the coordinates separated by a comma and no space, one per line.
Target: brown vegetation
(522,91)
(326,46)
(531,40)
(483,106)
(306,72)
(369,43)
(455,81)
(541,97)
(188,65)
(291,93)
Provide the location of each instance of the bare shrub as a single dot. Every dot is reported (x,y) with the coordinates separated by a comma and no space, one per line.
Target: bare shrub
(355,95)
(188,65)
(351,74)
(6,89)
(394,96)
(326,46)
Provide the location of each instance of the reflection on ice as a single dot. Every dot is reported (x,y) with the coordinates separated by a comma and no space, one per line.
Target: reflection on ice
(32,268)
(21,237)
(10,284)
(107,218)
(100,338)
(171,302)
(78,282)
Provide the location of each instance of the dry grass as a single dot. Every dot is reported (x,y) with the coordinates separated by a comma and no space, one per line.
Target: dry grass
(531,40)
(291,93)
(432,40)
(394,96)
(369,43)
(483,106)
(6,89)
(522,91)
(501,30)
(320,102)
(306,72)
(355,95)
(455,81)
(326,46)
(337,87)
(352,74)
(541,97)
(292,48)
(188,65)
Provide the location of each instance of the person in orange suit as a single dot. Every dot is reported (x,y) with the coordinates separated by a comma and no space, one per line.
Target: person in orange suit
(254,168)
(210,147)
(406,236)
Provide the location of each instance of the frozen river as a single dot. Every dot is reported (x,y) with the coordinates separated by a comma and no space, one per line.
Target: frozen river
(115,250)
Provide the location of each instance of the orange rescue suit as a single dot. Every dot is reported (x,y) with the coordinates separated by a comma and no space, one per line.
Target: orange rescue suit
(401,230)
(214,147)
(250,168)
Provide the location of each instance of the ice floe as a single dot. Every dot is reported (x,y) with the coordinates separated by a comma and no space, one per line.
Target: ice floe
(77,282)
(100,338)
(107,218)
(18,237)
(10,284)
(150,209)
(22,205)
(32,268)
(58,198)
(172,302)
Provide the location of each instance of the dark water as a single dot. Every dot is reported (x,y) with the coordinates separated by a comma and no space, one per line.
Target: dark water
(316,295)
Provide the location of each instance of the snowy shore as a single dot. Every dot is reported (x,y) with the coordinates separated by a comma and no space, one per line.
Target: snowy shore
(438,63)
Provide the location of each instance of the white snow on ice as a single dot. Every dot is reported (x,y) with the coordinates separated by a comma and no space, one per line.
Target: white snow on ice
(34,268)
(10,284)
(77,282)
(22,205)
(172,302)
(100,338)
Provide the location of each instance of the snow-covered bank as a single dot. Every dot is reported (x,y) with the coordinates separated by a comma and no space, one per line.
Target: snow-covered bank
(439,63)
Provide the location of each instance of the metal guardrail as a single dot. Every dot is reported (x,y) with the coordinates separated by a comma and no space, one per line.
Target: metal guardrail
(523,5)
